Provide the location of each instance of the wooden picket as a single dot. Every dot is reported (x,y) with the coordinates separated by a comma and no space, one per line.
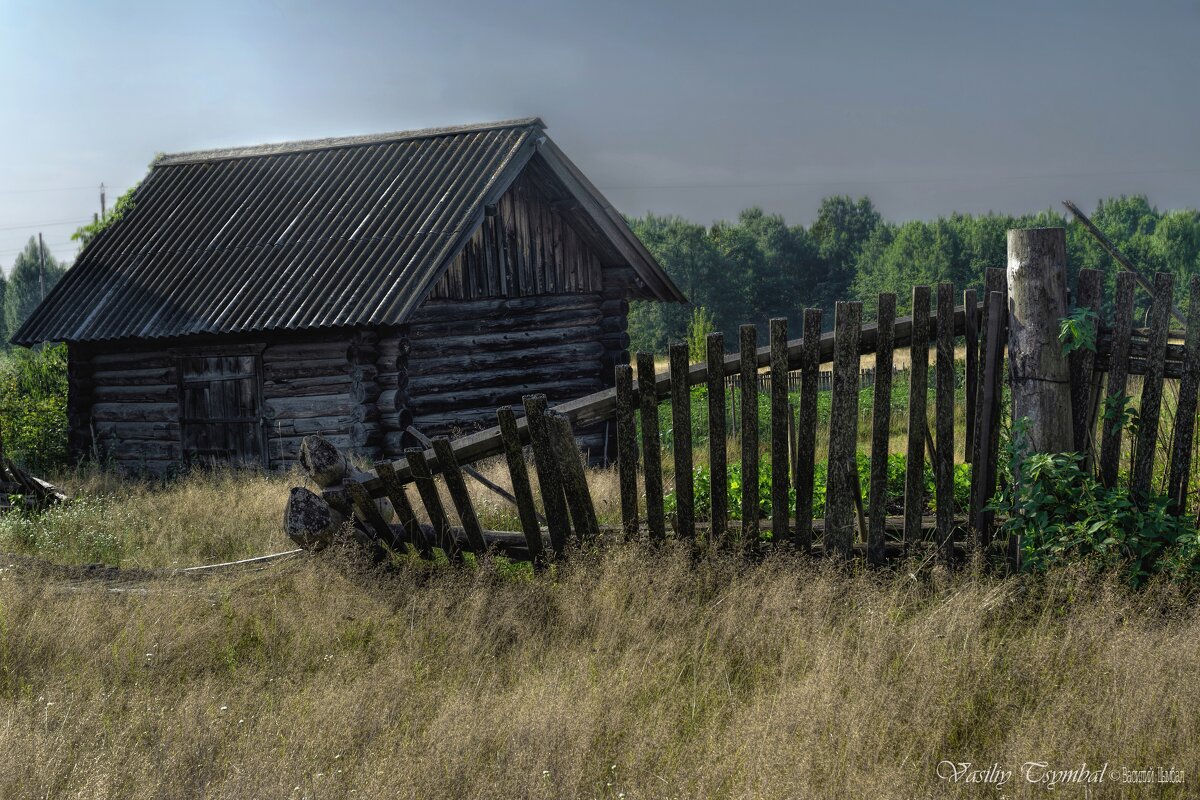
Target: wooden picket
(1118,376)
(1185,412)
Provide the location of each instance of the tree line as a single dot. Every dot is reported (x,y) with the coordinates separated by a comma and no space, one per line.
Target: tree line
(760,267)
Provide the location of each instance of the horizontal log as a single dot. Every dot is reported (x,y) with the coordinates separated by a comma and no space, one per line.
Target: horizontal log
(365,392)
(1137,366)
(389,400)
(614,324)
(511,340)
(493,396)
(322,405)
(305,368)
(119,360)
(559,371)
(122,431)
(535,356)
(136,394)
(135,412)
(288,447)
(144,466)
(612,358)
(154,376)
(334,348)
(615,307)
(397,420)
(601,405)
(308,426)
(504,306)
(316,386)
(614,341)
(458,325)
(145,449)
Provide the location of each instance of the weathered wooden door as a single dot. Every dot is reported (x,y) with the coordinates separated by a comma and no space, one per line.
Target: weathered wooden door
(220,417)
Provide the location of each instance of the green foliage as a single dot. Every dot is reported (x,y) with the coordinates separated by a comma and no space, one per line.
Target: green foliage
(120,208)
(896,472)
(699,328)
(27,283)
(33,406)
(1077,331)
(758,267)
(1063,514)
(1120,413)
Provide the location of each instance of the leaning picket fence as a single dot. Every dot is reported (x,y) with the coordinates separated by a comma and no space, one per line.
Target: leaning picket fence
(384,514)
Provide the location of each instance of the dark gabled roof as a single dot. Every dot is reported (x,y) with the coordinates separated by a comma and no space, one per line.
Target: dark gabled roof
(313,234)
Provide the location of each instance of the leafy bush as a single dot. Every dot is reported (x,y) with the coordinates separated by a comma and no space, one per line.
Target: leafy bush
(33,406)
(1064,514)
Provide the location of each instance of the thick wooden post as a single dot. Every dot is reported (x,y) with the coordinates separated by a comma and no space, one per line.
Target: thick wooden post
(1037,302)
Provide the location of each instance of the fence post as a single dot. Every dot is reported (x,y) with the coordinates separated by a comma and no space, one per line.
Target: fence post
(1037,301)
(779,431)
(718,474)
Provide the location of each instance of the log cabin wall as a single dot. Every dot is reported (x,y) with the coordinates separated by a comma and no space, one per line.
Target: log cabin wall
(345,385)
(469,357)
(321,383)
(527,307)
(128,397)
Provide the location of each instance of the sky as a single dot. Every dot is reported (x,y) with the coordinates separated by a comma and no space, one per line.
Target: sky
(683,107)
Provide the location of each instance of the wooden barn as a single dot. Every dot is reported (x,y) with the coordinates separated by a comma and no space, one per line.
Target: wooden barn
(351,287)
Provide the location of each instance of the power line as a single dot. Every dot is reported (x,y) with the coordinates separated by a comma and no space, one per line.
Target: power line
(36,225)
(875,181)
(58,189)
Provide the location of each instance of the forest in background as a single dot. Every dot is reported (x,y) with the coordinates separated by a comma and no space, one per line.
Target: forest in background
(759,267)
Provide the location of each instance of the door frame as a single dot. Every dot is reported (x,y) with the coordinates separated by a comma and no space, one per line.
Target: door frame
(255,351)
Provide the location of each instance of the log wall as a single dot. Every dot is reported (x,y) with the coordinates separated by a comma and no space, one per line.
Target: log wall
(128,398)
(323,384)
(468,358)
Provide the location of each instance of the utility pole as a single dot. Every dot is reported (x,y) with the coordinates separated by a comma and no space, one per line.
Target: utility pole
(41,268)
(103,213)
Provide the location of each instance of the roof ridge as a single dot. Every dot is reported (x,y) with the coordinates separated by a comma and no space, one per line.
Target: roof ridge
(306,145)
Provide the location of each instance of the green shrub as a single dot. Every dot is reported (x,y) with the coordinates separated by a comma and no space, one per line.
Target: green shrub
(33,406)
(1064,514)
(896,466)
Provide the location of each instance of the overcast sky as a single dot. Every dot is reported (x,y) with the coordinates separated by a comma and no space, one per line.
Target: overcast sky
(689,107)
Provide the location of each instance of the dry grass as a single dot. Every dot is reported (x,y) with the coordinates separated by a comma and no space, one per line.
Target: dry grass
(630,674)
(203,518)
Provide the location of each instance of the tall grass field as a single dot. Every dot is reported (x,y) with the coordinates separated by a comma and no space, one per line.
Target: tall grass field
(628,672)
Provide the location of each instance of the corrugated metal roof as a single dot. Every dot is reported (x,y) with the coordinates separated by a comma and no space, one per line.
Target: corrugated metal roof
(314,234)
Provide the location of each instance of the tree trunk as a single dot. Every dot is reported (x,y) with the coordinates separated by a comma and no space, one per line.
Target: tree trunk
(1037,301)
